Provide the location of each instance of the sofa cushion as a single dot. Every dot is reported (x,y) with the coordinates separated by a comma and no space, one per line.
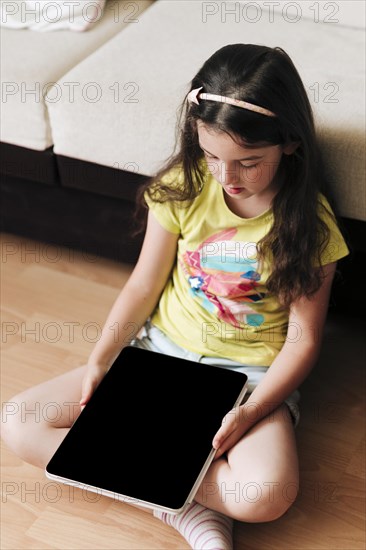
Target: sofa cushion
(145,72)
(31,62)
(50,16)
(350,13)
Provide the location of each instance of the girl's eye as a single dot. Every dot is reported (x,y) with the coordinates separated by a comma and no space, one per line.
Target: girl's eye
(207,155)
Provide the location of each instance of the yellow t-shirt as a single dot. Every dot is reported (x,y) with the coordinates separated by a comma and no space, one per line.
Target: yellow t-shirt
(216,302)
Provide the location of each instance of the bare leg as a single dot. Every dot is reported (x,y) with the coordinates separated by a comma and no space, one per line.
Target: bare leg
(258,480)
(35,421)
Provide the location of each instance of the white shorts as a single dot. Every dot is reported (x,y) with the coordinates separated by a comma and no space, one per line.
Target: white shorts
(153,339)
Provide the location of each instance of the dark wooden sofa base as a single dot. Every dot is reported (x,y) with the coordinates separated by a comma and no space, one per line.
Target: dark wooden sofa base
(68,202)
(69,217)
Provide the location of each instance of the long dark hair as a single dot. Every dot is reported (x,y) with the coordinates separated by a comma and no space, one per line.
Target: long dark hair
(266,77)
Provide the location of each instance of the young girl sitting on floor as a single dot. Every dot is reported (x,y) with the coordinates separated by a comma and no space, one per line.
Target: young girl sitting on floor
(236,270)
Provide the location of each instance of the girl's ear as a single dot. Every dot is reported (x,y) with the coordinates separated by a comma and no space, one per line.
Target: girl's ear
(290,148)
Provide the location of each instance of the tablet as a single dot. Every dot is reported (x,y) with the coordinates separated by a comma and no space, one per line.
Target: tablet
(145,436)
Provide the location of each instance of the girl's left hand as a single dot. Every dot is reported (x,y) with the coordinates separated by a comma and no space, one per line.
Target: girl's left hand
(233,427)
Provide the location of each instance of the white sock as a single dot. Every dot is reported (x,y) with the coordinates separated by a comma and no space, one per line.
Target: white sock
(203,529)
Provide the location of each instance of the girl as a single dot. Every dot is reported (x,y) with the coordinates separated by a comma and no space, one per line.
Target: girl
(235,270)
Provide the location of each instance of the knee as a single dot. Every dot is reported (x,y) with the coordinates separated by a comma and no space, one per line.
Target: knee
(283,496)
(265,501)
(13,423)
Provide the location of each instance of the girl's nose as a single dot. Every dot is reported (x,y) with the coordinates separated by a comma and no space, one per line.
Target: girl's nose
(229,173)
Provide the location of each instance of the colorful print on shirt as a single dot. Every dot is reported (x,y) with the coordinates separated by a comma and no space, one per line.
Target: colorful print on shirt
(222,274)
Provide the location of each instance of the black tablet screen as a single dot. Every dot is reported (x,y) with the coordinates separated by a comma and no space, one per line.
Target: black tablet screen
(148,428)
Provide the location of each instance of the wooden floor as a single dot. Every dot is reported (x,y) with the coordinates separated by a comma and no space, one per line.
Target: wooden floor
(44,290)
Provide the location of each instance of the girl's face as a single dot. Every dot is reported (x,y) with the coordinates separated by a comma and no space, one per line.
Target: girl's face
(243,172)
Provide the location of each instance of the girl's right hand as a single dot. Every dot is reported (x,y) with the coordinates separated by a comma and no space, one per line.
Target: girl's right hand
(91,381)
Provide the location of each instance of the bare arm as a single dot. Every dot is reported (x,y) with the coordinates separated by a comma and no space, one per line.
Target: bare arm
(140,294)
(290,368)
(134,304)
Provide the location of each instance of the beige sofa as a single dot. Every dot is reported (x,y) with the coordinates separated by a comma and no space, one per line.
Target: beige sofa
(79,152)
(166,48)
